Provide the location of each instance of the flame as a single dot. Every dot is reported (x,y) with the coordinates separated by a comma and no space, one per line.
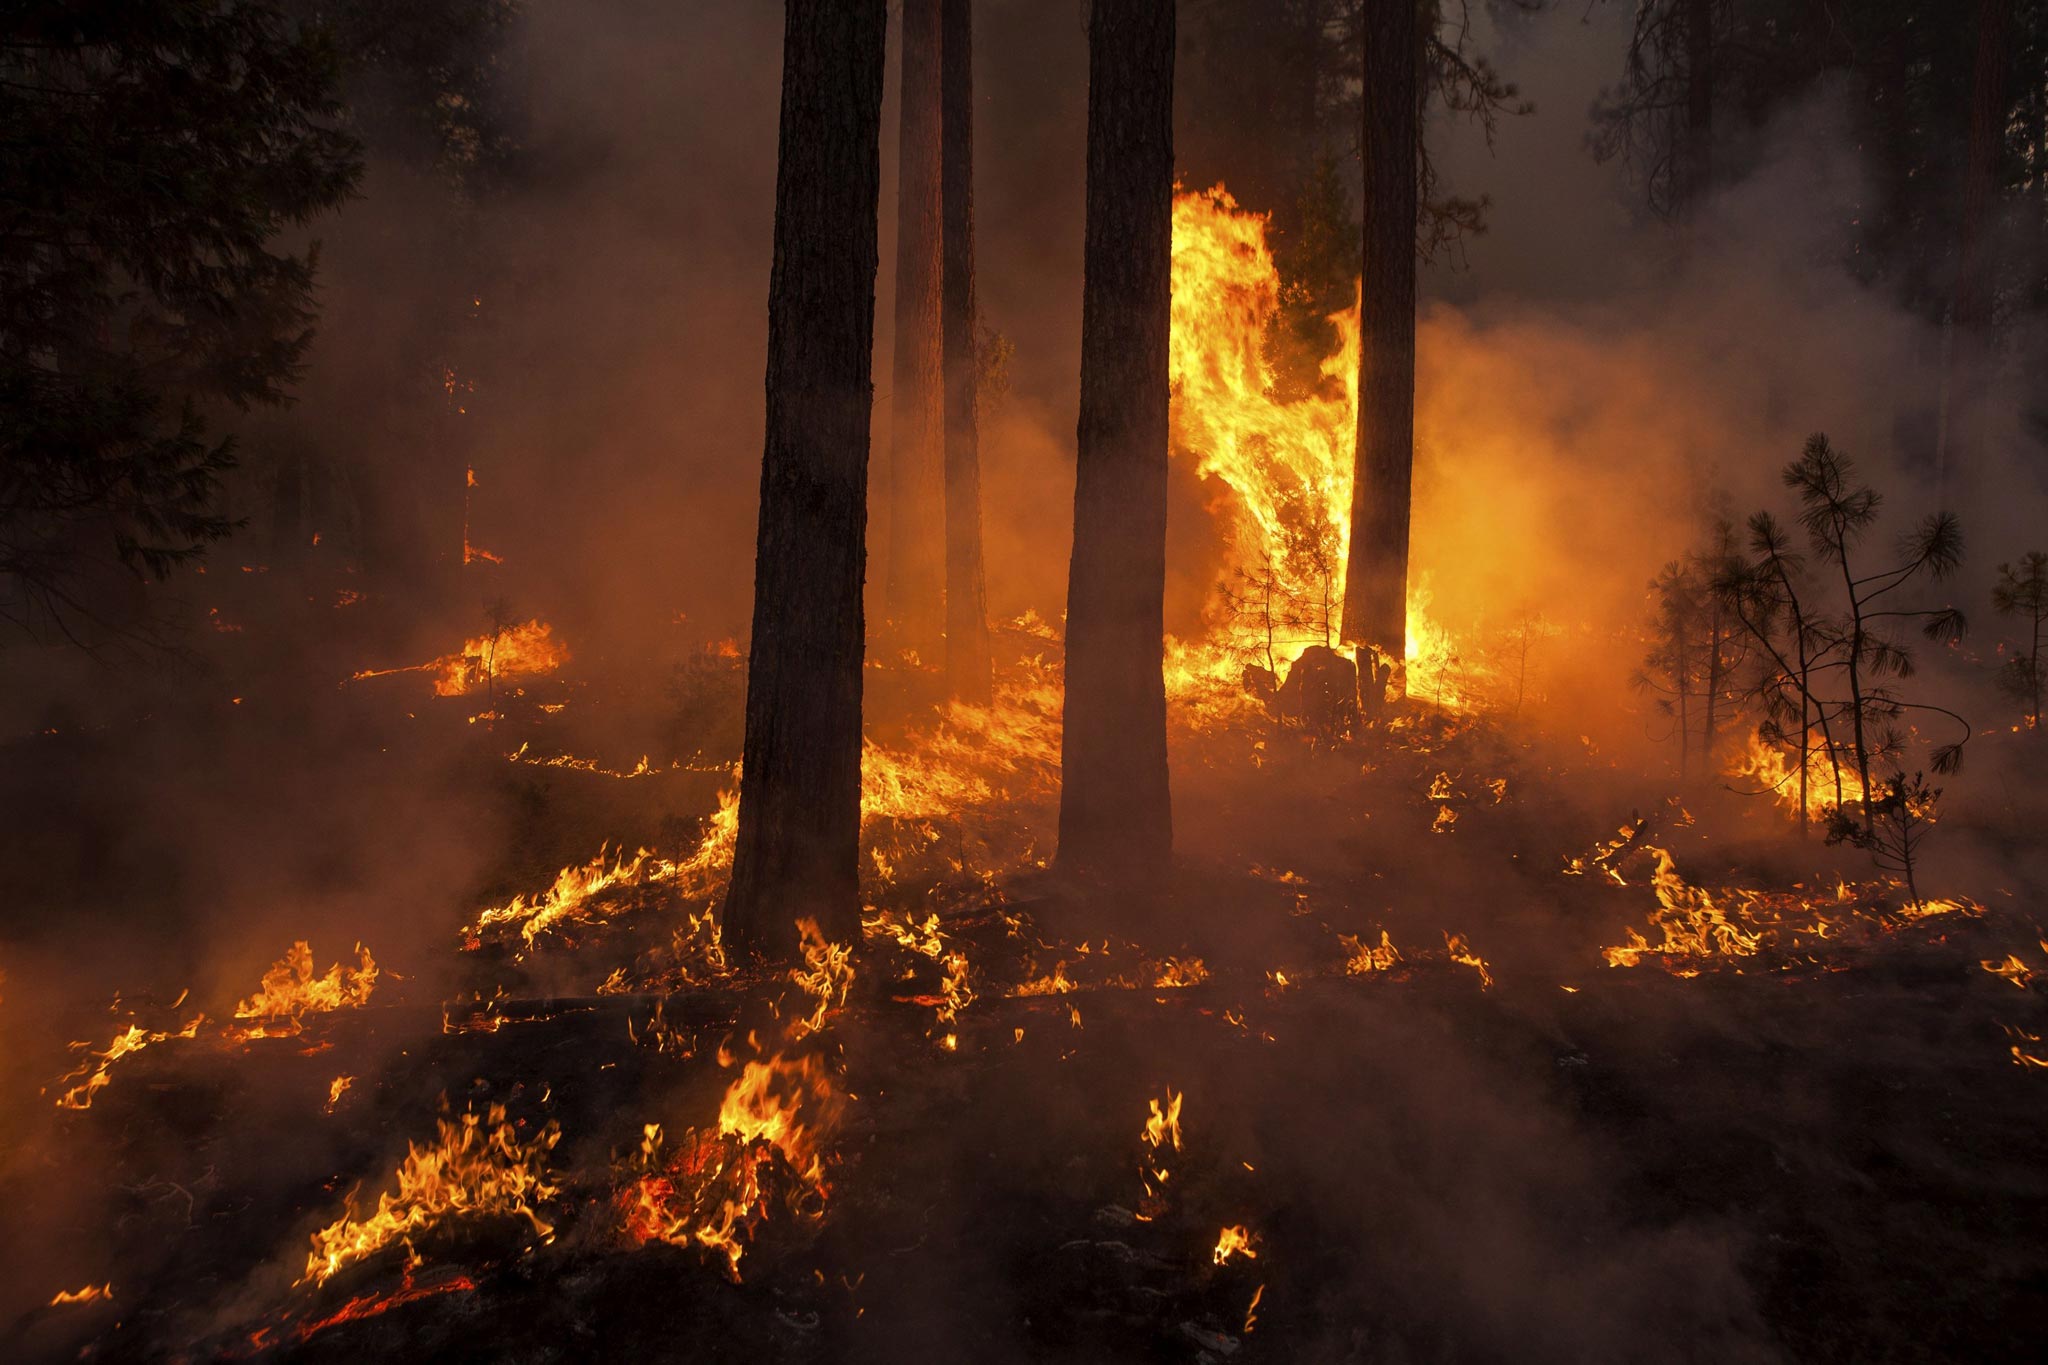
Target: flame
(289,992)
(1235,1241)
(336,1089)
(1363,960)
(767,1151)
(85,1295)
(1691,923)
(1456,947)
(95,1072)
(477,1166)
(1774,769)
(826,976)
(1286,463)
(526,650)
(1175,973)
(2011,969)
(578,888)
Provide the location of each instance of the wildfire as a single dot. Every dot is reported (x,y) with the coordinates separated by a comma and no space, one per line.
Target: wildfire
(1461,953)
(578,889)
(289,992)
(1235,1241)
(1286,462)
(1690,922)
(85,1295)
(95,1072)
(766,1152)
(826,976)
(1363,959)
(1829,782)
(478,1166)
(526,650)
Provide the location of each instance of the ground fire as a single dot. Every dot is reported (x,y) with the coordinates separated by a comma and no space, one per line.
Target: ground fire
(1365,686)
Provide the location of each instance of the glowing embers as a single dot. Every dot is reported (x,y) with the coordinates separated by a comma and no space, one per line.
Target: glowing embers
(477,1167)
(715,1189)
(765,1158)
(289,992)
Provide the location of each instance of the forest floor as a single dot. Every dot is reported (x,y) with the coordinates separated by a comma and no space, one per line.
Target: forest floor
(1497,1147)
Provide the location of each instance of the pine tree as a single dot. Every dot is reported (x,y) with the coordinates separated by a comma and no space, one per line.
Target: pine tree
(153,155)
(798,849)
(1115,810)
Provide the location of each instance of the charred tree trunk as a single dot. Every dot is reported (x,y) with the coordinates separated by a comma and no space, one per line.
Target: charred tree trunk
(798,851)
(1115,811)
(967,647)
(915,582)
(1699,100)
(1970,320)
(1376,580)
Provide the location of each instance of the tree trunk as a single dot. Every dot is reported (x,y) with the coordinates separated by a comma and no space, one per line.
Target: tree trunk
(967,647)
(1376,578)
(798,851)
(1115,811)
(914,588)
(1699,100)
(1969,354)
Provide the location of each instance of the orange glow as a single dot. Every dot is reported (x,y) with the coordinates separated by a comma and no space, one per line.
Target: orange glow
(289,992)
(477,1166)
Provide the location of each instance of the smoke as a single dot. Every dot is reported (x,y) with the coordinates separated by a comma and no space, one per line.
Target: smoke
(1591,388)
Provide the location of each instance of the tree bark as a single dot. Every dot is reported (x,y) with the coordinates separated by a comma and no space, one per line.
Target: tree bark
(915,583)
(968,676)
(798,850)
(1115,810)
(1970,319)
(1376,575)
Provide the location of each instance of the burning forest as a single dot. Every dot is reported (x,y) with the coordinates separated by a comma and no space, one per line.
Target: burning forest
(1368,691)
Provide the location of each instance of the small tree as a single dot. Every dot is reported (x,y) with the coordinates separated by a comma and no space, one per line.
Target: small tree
(2022,593)
(1830,671)
(1837,513)
(1896,820)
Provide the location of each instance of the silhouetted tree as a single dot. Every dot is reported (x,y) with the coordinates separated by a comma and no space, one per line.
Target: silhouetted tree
(798,849)
(153,154)
(1410,50)
(914,583)
(2022,593)
(1115,811)
(967,644)
(1376,581)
